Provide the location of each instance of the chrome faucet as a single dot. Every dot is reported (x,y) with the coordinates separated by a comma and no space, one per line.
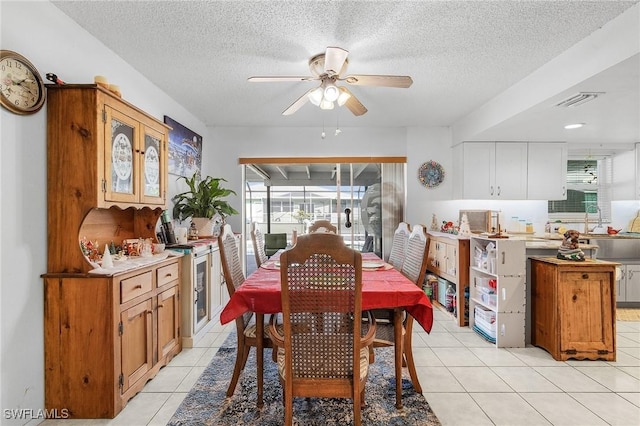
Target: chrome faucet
(586,221)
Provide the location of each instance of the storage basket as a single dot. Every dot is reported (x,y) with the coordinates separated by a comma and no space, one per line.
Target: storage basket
(489,329)
(485,314)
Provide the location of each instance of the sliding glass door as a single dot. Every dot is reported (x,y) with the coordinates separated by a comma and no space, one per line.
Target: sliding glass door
(355,197)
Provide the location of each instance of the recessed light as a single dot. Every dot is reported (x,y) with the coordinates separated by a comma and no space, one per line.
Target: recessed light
(574,126)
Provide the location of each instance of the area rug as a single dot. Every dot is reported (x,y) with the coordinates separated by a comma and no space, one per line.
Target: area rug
(627,314)
(206,403)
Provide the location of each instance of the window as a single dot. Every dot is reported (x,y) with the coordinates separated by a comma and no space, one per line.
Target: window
(588,192)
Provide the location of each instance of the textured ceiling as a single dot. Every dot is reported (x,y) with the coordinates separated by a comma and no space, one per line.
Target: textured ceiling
(459,54)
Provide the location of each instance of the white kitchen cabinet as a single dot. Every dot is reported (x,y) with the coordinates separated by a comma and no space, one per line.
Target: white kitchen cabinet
(628,284)
(626,175)
(547,171)
(492,170)
(497,290)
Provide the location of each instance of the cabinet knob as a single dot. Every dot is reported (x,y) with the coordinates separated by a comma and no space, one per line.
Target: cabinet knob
(585,276)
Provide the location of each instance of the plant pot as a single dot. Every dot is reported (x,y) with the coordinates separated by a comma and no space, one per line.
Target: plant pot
(204,226)
(208,227)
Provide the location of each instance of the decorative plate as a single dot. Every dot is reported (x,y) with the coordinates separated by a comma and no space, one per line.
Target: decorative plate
(431,174)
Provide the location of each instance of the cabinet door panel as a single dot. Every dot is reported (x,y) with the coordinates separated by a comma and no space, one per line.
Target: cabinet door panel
(121,155)
(585,299)
(137,342)
(168,321)
(511,171)
(153,167)
(478,173)
(632,287)
(547,171)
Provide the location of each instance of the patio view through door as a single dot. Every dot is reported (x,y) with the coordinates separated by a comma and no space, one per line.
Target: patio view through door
(358,196)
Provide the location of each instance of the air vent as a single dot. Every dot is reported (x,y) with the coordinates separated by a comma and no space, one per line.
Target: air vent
(579,99)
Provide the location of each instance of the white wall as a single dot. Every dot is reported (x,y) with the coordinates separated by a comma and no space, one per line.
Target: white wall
(53,43)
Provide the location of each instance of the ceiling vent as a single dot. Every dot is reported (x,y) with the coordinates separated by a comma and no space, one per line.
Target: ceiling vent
(579,99)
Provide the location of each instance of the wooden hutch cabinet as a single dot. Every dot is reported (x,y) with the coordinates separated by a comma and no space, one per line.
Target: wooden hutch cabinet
(107,332)
(574,308)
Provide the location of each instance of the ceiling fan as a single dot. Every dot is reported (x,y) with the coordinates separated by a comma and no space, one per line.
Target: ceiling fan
(327,68)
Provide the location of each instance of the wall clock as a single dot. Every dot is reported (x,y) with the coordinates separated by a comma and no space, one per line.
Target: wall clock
(21,87)
(431,174)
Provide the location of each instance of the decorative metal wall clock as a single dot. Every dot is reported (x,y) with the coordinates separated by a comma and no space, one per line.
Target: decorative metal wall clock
(21,87)
(431,174)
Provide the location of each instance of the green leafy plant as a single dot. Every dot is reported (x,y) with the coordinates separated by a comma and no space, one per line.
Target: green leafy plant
(203,199)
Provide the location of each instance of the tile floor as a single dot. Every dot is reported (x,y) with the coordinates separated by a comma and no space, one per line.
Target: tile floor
(465,379)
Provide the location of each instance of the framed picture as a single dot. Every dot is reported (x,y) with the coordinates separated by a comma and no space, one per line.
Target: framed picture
(185,150)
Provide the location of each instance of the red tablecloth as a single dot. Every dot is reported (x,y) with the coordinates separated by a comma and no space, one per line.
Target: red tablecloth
(381,288)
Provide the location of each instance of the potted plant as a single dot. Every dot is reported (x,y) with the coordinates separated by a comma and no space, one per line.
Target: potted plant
(204,203)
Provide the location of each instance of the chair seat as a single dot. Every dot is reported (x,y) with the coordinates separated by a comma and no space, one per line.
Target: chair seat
(364,362)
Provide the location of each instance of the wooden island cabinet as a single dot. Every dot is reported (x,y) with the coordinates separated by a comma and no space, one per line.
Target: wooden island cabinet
(107,331)
(574,308)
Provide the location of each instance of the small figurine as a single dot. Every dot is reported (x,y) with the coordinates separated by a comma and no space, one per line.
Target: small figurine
(570,249)
(434,223)
(465,229)
(193,232)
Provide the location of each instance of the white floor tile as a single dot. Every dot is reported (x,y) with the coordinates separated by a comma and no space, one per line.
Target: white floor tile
(442,340)
(461,357)
(525,379)
(508,409)
(479,379)
(633,398)
(473,340)
(632,371)
(562,410)
(623,359)
(612,378)
(437,380)
(535,356)
(167,410)
(141,409)
(612,408)
(454,409)
(497,357)
(570,379)
(167,379)
(190,379)
(188,357)
(633,336)
(424,357)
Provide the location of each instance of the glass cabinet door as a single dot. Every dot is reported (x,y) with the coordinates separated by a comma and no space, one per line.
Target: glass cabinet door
(152,167)
(120,157)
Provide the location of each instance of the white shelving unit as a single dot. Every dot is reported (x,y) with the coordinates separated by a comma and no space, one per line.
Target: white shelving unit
(497,275)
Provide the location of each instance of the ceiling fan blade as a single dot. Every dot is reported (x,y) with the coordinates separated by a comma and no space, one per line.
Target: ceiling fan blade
(334,59)
(265,79)
(402,81)
(298,103)
(354,105)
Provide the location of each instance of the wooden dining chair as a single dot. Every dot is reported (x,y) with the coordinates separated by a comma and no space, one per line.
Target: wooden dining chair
(321,352)
(257,238)
(414,268)
(245,324)
(322,226)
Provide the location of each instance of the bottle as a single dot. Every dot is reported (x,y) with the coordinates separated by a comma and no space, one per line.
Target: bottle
(449,296)
(529,228)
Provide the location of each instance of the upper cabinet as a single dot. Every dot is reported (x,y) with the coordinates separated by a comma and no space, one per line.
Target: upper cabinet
(510,170)
(106,172)
(492,170)
(110,150)
(626,175)
(547,171)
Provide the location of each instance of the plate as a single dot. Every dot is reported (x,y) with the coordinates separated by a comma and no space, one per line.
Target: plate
(431,174)
(372,265)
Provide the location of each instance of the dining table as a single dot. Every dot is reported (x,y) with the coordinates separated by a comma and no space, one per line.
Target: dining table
(383,287)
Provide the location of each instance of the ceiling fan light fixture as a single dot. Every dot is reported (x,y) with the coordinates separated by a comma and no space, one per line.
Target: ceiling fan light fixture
(331,92)
(315,97)
(325,104)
